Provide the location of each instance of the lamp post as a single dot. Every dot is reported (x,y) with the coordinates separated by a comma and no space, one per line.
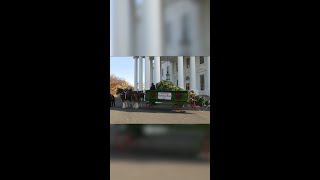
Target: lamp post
(168,76)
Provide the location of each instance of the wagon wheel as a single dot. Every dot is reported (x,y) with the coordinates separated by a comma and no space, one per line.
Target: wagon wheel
(149,104)
(177,108)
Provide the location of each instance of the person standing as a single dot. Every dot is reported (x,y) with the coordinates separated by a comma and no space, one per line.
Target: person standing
(113,100)
(153,87)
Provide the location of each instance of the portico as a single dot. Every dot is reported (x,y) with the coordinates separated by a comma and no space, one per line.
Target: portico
(188,72)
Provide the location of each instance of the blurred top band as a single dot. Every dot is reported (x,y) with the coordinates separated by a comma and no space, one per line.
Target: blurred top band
(160,27)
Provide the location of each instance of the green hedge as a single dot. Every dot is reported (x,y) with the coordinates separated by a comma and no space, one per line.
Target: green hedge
(169,86)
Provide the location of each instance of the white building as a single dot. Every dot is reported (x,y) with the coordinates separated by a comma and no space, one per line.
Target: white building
(187,72)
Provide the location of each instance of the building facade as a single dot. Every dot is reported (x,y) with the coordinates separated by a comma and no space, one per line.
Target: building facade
(187,72)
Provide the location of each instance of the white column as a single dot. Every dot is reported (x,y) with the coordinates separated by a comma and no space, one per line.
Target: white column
(180,72)
(193,85)
(140,74)
(151,71)
(171,71)
(161,76)
(207,86)
(152,27)
(147,73)
(121,34)
(135,73)
(196,35)
(156,69)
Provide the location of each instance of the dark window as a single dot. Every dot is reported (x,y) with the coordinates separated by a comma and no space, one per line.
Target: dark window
(201,60)
(202,82)
(168,69)
(188,62)
(188,86)
(177,67)
(161,72)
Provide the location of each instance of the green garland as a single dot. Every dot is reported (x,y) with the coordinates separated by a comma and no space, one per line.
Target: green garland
(169,86)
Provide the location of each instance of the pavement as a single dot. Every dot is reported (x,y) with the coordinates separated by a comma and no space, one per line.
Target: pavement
(159,114)
(158,170)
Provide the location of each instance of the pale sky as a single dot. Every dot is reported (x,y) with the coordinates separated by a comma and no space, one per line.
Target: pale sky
(123,67)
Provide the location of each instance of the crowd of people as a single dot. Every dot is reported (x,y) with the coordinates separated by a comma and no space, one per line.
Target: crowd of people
(113,101)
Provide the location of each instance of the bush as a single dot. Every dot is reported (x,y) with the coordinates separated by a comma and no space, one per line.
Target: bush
(198,100)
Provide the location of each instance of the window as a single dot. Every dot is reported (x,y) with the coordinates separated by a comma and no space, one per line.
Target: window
(201,60)
(161,72)
(188,86)
(188,62)
(202,82)
(168,69)
(177,83)
(177,67)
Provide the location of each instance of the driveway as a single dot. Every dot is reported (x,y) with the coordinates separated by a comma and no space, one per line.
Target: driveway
(160,114)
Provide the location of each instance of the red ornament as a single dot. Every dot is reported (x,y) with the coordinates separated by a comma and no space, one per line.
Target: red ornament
(152,94)
(178,95)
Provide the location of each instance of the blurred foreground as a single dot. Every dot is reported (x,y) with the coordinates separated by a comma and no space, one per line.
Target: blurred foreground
(158,170)
(141,152)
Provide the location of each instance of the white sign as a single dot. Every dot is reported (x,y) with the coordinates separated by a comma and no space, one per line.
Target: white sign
(164,95)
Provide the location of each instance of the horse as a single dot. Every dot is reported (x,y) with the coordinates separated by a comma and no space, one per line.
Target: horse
(141,95)
(125,95)
(138,96)
(135,100)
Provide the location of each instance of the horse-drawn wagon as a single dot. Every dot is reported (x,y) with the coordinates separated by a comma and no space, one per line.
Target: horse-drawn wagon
(175,98)
(166,94)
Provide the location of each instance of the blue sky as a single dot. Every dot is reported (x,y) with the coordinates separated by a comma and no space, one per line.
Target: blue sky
(123,67)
